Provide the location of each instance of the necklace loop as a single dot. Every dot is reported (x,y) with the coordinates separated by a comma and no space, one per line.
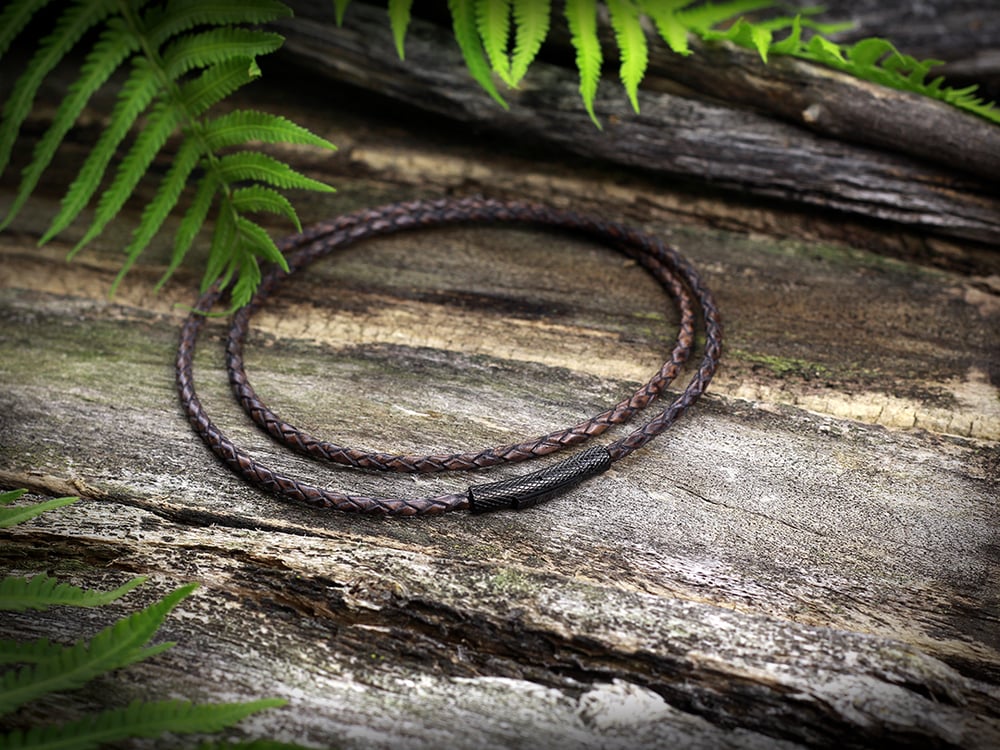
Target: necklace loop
(674,273)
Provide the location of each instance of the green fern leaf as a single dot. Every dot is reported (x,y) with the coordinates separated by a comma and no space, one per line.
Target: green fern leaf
(703,18)
(256,198)
(77,19)
(9,516)
(746,35)
(824,51)
(197,95)
(399,21)
(157,210)
(135,96)
(339,7)
(163,120)
(215,84)
(14,17)
(257,241)
(191,224)
(252,241)
(493,22)
(184,15)
(247,280)
(222,255)
(242,125)
(663,13)
(531,26)
(41,592)
(112,48)
(581,16)
(6,498)
(792,43)
(38,651)
(217,46)
(116,646)
(139,719)
(253,165)
(631,46)
(463,19)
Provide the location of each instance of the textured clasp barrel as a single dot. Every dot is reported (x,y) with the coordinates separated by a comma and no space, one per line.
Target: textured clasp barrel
(539,486)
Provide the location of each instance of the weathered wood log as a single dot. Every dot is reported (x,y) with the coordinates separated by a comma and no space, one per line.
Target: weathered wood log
(683,136)
(807,560)
(766,576)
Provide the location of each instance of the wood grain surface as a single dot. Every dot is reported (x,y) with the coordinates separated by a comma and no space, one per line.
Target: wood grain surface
(809,559)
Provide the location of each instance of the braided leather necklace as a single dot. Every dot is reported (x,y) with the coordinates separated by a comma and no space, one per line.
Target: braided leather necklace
(674,273)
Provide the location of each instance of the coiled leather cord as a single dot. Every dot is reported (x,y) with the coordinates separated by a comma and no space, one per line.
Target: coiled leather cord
(665,264)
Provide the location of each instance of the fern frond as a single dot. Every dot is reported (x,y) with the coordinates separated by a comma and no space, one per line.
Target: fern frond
(191,224)
(242,125)
(339,7)
(253,165)
(463,20)
(181,16)
(113,47)
(217,46)
(581,16)
(493,22)
(531,26)
(257,198)
(74,22)
(139,719)
(399,21)
(704,17)
(36,652)
(186,55)
(222,261)
(632,49)
(41,592)
(14,17)
(752,36)
(157,210)
(135,96)
(9,516)
(163,120)
(213,85)
(663,13)
(116,646)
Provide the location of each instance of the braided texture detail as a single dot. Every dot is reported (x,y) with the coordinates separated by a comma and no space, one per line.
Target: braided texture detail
(675,274)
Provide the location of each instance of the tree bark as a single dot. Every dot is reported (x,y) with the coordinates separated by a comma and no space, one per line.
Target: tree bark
(698,138)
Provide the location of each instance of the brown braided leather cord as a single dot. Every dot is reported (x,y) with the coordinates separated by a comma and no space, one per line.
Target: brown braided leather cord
(673,272)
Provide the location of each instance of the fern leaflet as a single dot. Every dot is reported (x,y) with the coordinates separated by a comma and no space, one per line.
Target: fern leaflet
(663,13)
(581,16)
(531,22)
(112,48)
(700,19)
(36,652)
(51,666)
(137,720)
(41,592)
(10,516)
(339,7)
(631,46)
(185,56)
(116,646)
(399,22)
(71,26)
(463,20)
(493,21)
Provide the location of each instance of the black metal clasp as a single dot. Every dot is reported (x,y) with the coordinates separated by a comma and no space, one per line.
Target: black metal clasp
(537,487)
